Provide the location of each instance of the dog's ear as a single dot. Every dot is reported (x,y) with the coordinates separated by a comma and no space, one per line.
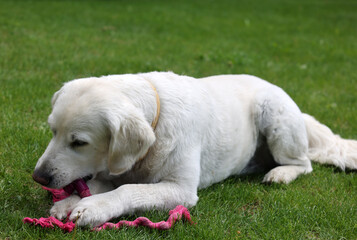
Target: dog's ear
(131,138)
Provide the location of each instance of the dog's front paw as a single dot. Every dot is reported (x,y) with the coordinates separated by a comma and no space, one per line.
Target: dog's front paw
(93,211)
(61,209)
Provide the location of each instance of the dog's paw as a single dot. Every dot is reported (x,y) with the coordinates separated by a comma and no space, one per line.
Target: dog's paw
(61,209)
(93,211)
(286,174)
(279,175)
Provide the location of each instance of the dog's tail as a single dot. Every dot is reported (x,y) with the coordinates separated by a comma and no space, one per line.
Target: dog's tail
(327,148)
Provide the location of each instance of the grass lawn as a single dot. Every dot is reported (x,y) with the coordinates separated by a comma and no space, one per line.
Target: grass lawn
(308,47)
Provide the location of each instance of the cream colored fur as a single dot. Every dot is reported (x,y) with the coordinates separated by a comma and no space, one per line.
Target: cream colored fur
(208,130)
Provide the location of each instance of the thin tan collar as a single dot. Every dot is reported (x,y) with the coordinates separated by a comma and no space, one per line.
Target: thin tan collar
(154,123)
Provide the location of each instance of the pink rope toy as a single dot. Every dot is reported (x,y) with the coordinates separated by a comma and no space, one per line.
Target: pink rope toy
(81,187)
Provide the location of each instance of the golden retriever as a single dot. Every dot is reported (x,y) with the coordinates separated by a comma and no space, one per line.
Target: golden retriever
(151,140)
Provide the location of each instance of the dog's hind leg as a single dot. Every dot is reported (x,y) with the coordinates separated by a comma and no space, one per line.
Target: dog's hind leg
(279,119)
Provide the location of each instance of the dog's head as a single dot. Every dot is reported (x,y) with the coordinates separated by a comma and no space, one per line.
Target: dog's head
(95,128)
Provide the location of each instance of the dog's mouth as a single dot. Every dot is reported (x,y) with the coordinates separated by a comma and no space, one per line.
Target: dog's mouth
(68,188)
(84,179)
(69,185)
(87,178)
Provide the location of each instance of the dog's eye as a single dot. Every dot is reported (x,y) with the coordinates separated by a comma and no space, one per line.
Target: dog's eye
(78,143)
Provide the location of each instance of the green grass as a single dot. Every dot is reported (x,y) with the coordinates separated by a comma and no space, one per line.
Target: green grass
(307,47)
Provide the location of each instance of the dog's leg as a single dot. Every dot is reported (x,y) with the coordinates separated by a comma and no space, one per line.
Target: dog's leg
(129,198)
(61,208)
(178,187)
(288,146)
(285,174)
(281,122)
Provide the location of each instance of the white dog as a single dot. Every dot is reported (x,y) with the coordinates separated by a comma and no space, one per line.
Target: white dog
(151,140)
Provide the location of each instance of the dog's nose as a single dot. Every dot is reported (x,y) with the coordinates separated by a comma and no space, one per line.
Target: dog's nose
(42,178)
